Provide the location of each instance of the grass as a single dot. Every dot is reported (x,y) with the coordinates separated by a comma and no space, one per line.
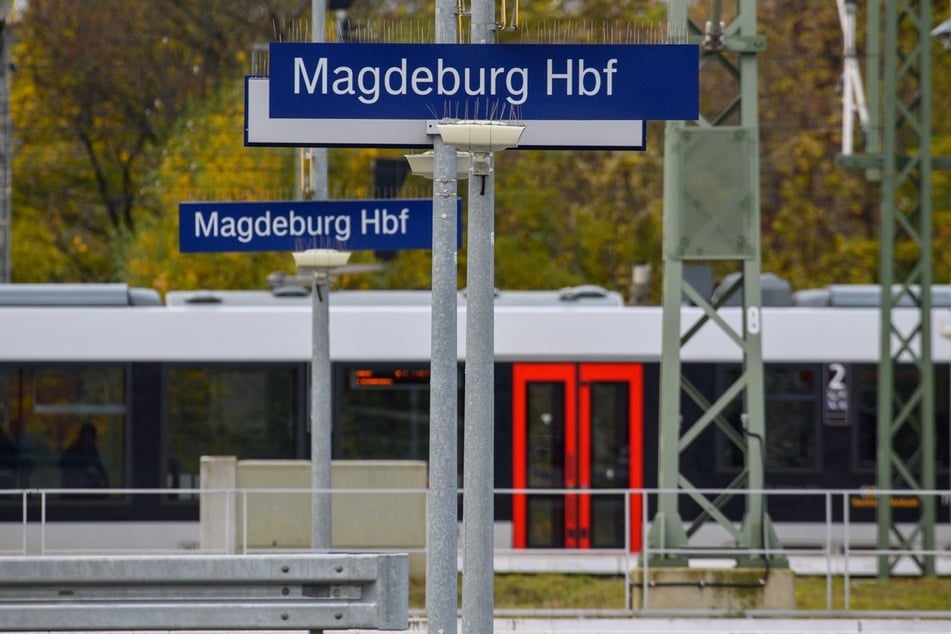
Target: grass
(544,592)
(866,593)
(579,591)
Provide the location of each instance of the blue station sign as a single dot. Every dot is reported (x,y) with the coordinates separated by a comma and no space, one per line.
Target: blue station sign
(391,224)
(528,82)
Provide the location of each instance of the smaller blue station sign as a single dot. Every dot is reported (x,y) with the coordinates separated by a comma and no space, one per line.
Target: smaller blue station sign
(390,224)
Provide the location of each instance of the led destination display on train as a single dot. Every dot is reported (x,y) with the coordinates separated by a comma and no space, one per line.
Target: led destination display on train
(378,377)
(528,82)
(384,225)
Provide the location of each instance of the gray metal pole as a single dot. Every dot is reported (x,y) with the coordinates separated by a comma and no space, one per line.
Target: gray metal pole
(319,154)
(478,482)
(442,565)
(320,412)
(441,600)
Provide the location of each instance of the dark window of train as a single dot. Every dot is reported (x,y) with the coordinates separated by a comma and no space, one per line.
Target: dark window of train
(792,404)
(610,461)
(906,440)
(243,411)
(63,426)
(942,409)
(382,413)
(545,411)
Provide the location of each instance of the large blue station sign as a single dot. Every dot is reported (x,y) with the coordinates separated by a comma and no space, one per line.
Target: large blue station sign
(524,82)
(391,224)
(568,96)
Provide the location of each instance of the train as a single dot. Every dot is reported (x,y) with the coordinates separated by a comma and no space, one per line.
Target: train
(163,381)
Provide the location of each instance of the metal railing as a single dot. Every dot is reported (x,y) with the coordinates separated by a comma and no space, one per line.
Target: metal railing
(839,547)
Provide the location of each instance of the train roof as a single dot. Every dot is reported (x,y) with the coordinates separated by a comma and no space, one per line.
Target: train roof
(118,323)
(290,295)
(77,295)
(865,296)
(776,292)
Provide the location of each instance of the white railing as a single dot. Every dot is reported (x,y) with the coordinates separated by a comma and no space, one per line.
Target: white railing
(839,546)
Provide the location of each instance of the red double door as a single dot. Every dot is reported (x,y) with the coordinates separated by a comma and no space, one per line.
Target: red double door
(577,426)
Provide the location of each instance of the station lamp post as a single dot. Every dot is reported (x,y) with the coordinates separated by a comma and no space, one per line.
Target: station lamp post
(482,139)
(319,264)
(445,166)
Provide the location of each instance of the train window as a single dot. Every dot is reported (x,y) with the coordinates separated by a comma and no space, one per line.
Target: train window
(906,441)
(610,460)
(244,411)
(382,412)
(792,403)
(546,423)
(942,409)
(64,426)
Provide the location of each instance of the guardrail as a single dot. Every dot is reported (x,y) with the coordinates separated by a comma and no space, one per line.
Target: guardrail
(244,592)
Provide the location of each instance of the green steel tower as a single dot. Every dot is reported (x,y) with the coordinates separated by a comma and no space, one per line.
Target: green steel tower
(898,153)
(712,213)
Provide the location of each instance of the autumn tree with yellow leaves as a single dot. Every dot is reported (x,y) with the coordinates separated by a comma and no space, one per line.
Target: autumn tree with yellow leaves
(123,109)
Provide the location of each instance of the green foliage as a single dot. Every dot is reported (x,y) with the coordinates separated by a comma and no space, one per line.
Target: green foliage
(206,160)
(99,85)
(570,217)
(106,150)
(819,220)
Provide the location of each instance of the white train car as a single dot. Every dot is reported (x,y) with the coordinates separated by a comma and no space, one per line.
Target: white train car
(164,382)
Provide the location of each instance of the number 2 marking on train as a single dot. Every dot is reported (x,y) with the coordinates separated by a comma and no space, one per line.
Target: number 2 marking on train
(837,382)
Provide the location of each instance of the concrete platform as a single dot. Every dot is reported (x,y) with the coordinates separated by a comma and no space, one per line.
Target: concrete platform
(718,625)
(663,626)
(613,563)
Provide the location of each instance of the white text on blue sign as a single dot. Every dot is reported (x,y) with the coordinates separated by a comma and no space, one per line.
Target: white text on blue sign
(368,83)
(388,224)
(540,82)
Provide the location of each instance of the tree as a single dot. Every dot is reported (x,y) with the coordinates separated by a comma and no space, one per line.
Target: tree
(205,159)
(820,220)
(112,98)
(99,86)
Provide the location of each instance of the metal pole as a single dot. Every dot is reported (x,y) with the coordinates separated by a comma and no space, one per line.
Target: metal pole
(318,164)
(478,481)
(478,512)
(320,412)
(442,543)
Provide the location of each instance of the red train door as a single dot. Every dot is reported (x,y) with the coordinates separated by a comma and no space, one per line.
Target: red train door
(576,426)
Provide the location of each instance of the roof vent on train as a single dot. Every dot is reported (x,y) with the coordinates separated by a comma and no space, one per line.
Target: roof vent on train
(585,291)
(776,291)
(77,295)
(203,297)
(290,290)
(586,295)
